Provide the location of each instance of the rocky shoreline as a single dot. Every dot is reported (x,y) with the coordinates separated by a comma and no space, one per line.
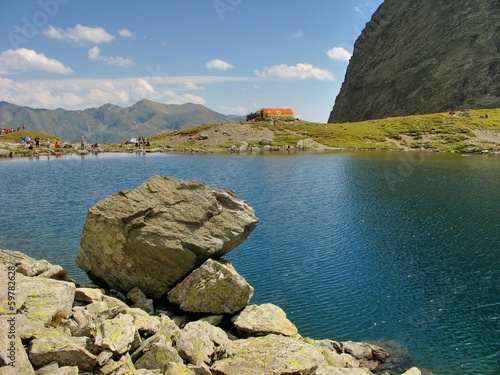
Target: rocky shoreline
(162,300)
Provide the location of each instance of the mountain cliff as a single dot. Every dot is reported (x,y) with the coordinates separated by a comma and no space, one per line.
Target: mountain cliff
(109,123)
(423,56)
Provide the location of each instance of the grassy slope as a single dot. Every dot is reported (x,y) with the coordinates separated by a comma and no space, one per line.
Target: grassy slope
(436,131)
(16,136)
(432,132)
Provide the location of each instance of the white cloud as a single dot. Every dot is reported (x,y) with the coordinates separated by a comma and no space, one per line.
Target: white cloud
(192,86)
(125,33)
(361,8)
(142,83)
(299,71)
(79,34)
(95,54)
(81,93)
(174,98)
(297,34)
(23,59)
(339,53)
(218,65)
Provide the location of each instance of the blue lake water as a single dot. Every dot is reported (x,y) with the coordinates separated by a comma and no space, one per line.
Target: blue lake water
(388,246)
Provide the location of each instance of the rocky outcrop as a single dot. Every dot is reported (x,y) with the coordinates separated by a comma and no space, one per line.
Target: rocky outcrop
(165,226)
(202,326)
(103,335)
(424,56)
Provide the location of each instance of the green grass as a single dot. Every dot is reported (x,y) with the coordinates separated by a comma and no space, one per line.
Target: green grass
(446,133)
(16,136)
(439,132)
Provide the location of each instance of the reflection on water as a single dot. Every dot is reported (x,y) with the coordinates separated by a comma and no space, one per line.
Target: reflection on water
(401,247)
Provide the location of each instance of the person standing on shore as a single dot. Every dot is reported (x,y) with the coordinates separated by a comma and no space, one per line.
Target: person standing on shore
(82,143)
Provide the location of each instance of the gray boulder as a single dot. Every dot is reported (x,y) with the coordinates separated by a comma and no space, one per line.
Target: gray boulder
(30,267)
(54,369)
(12,352)
(45,301)
(369,356)
(261,320)
(198,342)
(116,334)
(67,351)
(213,288)
(165,226)
(271,354)
(158,357)
(123,366)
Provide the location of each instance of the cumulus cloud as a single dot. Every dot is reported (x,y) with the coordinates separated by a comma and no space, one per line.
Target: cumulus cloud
(297,34)
(218,65)
(192,86)
(299,71)
(23,59)
(95,54)
(339,53)
(79,34)
(125,33)
(143,84)
(80,93)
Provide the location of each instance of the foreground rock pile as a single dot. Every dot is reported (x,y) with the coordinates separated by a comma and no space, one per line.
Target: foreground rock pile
(192,317)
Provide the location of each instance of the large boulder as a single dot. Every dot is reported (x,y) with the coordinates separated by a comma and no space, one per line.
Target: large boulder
(166,227)
(213,288)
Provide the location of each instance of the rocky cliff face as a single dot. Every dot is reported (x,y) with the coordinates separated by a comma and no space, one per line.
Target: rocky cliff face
(423,56)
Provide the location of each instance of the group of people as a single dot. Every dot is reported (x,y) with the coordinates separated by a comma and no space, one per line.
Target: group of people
(466,113)
(142,141)
(11,130)
(82,144)
(36,141)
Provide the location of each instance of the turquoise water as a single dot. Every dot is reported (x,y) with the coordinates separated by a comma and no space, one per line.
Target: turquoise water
(398,247)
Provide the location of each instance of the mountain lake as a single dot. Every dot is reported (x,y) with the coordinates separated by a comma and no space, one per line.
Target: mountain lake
(396,248)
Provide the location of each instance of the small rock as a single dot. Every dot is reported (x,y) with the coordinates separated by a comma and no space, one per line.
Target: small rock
(198,342)
(158,357)
(88,295)
(261,320)
(115,334)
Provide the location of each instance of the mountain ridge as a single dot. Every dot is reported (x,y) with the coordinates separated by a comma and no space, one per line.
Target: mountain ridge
(418,57)
(109,123)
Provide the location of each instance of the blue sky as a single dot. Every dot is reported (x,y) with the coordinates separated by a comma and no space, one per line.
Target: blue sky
(232,56)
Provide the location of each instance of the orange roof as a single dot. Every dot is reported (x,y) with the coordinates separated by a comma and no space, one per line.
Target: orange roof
(278,111)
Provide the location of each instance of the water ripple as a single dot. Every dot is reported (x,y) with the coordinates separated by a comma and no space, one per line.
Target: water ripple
(348,254)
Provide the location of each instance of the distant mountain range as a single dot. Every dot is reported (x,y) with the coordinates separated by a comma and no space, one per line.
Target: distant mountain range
(111,123)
